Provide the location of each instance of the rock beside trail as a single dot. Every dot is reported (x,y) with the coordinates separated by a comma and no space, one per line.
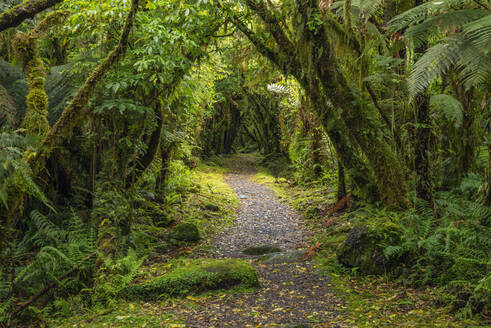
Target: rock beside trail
(362,249)
(195,276)
(285,257)
(185,232)
(211,207)
(261,250)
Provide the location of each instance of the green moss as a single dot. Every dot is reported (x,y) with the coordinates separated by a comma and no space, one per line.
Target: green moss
(36,118)
(185,232)
(120,315)
(196,276)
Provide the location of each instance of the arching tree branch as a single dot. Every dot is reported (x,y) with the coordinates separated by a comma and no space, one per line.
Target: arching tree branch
(28,9)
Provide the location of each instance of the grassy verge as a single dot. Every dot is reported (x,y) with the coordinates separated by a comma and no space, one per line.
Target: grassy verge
(210,204)
(369,301)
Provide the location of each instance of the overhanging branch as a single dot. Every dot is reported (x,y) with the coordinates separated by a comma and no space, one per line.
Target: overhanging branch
(26,10)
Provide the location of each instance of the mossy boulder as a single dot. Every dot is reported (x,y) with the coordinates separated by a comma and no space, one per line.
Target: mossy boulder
(261,250)
(196,276)
(364,248)
(185,232)
(211,207)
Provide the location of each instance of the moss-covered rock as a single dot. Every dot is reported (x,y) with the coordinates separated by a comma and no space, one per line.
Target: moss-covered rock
(185,232)
(211,207)
(196,276)
(364,248)
(290,256)
(261,250)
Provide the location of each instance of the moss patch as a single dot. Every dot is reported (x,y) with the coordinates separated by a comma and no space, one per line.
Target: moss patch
(194,277)
(185,232)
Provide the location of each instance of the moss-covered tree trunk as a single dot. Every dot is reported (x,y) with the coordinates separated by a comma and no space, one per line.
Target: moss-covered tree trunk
(153,144)
(26,50)
(422,138)
(341,190)
(27,9)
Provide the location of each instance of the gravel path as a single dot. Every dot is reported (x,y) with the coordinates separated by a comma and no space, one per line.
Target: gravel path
(291,294)
(262,220)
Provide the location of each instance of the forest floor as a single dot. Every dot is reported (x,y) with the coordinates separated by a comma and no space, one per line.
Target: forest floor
(258,210)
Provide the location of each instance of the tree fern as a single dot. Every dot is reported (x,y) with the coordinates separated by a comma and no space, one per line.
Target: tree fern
(462,30)
(448,107)
(442,24)
(418,14)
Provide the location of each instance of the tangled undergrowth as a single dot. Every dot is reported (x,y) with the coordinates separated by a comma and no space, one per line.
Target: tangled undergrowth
(199,198)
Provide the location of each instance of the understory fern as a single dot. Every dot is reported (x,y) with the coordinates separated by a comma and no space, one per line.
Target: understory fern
(59,242)
(453,250)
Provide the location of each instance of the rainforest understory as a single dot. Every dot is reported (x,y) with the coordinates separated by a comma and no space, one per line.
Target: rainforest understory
(245,163)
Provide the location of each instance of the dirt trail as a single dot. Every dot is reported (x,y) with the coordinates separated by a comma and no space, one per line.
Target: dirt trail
(291,294)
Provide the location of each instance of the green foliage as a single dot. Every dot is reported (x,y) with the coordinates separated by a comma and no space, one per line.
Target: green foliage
(449,107)
(452,252)
(122,272)
(463,34)
(15,173)
(59,242)
(196,81)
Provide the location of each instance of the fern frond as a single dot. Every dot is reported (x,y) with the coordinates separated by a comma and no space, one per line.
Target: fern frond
(432,65)
(444,23)
(479,33)
(369,8)
(449,107)
(475,65)
(393,251)
(278,88)
(418,14)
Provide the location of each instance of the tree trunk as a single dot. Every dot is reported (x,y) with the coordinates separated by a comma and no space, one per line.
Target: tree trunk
(422,140)
(341,192)
(16,15)
(144,162)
